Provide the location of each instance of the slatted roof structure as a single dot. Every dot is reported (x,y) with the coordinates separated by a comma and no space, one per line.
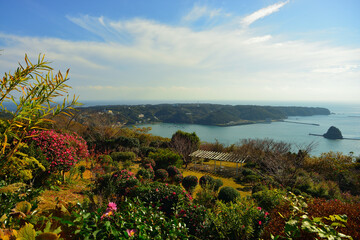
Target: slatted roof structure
(219,156)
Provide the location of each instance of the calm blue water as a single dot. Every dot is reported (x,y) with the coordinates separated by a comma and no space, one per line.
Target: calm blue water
(344,117)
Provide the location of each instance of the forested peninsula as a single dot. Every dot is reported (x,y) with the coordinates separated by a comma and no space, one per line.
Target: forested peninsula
(203,114)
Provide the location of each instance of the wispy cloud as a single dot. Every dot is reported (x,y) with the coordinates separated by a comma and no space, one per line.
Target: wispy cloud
(145,59)
(246,21)
(198,12)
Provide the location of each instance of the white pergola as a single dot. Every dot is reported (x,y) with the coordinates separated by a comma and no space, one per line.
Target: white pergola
(219,156)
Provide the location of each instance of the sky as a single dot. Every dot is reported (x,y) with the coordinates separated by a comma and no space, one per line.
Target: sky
(207,50)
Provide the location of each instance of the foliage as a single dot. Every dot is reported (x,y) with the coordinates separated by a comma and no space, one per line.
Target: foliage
(62,150)
(145,174)
(133,218)
(228,194)
(111,186)
(39,88)
(165,157)
(195,217)
(206,180)
(185,143)
(172,170)
(292,220)
(269,199)
(240,219)
(217,184)
(147,161)
(206,197)
(161,174)
(178,178)
(123,156)
(144,151)
(168,196)
(190,182)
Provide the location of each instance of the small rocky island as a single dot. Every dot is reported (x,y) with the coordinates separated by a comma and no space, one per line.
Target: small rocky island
(333,133)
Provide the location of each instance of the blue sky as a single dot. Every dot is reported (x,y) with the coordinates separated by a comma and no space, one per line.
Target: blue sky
(249,50)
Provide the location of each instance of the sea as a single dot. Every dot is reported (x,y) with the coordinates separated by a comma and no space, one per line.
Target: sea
(344,116)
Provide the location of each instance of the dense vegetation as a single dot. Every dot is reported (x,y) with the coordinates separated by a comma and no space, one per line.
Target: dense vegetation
(206,114)
(67,179)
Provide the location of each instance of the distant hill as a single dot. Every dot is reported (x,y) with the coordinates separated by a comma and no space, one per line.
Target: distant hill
(205,114)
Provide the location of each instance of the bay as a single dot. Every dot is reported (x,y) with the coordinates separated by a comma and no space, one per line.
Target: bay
(344,117)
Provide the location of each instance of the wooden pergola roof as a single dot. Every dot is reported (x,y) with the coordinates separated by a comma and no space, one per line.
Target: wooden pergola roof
(218,156)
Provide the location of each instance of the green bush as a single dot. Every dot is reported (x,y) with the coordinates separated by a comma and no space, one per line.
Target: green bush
(217,184)
(165,157)
(123,156)
(228,194)
(206,181)
(172,171)
(190,182)
(131,216)
(167,195)
(269,199)
(240,219)
(161,174)
(258,187)
(105,159)
(145,174)
(252,179)
(127,142)
(178,178)
(145,151)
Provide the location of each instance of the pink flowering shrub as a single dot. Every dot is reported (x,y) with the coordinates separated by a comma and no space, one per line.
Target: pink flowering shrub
(110,210)
(62,150)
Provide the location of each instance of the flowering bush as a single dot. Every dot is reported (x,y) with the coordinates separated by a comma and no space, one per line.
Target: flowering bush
(132,219)
(178,178)
(62,150)
(161,174)
(167,195)
(111,186)
(172,171)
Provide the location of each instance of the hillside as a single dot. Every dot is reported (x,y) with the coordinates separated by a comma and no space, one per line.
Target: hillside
(204,114)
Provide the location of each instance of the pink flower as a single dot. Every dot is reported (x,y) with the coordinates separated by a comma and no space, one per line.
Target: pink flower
(157,190)
(131,232)
(266,214)
(112,206)
(259,222)
(174,193)
(259,208)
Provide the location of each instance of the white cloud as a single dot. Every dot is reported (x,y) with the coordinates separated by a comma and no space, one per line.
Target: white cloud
(144,59)
(246,21)
(198,12)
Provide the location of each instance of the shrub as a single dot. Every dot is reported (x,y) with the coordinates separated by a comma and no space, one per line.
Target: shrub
(178,178)
(116,184)
(165,157)
(228,194)
(206,197)
(161,174)
(258,187)
(145,174)
(172,171)
(123,156)
(252,178)
(127,142)
(217,184)
(144,151)
(62,150)
(146,161)
(240,219)
(167,195)
(133,218)
(206,181)
(190,182)
(195,218)
(105,159)
(269,199)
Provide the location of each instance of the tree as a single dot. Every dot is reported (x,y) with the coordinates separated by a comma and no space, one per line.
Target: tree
(38,88)
(185,143)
